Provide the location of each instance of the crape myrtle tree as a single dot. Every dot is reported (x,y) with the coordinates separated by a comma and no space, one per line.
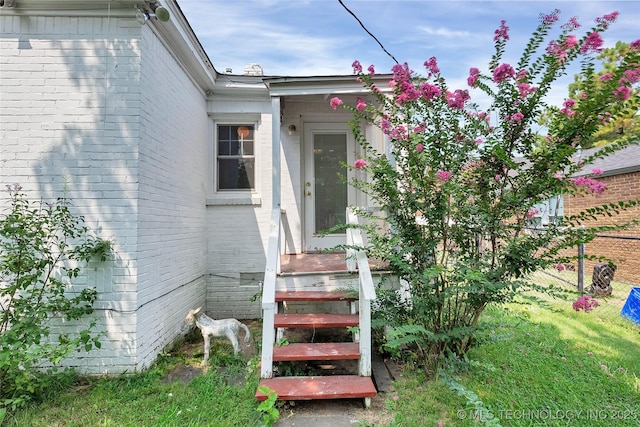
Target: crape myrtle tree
(626,123)
(459,184)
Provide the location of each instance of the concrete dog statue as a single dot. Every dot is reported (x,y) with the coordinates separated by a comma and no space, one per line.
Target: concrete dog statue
(229,328)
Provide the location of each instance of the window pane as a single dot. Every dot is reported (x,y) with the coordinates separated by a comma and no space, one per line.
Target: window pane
(228,148)
(235,174)
(224,133)
(248,148)
(329,154)
(236,141)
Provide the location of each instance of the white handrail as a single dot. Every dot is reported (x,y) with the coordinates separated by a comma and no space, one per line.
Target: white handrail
(367,292)
(354,241)
(269,295)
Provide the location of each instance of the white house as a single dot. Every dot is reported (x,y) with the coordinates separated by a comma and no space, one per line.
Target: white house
(182,167)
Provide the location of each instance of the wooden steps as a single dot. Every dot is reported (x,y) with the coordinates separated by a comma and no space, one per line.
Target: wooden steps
(316,351)
(316,320)
(282,296)
(332,386)
(312,388)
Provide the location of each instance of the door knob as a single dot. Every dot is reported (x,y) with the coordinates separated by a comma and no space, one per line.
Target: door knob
(308,193)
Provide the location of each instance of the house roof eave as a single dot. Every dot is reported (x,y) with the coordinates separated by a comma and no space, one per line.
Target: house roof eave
(322,85)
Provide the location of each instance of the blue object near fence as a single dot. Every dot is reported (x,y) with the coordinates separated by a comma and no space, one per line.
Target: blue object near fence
(631,308)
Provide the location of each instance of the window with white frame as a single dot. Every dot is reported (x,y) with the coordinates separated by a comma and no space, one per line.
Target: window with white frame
(235,157)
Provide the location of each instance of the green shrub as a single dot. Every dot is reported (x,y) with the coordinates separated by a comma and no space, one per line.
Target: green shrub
(42,249)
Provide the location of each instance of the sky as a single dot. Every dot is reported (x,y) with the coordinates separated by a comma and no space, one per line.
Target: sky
(319,37)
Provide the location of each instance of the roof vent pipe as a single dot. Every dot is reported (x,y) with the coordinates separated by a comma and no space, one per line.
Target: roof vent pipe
(253,70)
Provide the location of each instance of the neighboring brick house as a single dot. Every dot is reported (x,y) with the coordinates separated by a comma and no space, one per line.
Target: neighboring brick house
(622,178)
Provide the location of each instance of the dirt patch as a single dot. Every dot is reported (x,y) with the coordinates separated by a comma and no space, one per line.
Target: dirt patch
(293,412)
(182,373)
(192,349)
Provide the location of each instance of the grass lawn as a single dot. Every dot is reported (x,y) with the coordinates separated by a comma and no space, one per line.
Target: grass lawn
(216,397)
(534,365)
(540,365)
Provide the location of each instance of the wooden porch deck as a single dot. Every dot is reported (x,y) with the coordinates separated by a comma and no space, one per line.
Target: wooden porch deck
(321,262)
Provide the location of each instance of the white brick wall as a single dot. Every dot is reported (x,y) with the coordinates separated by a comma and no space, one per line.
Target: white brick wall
(173,151)
(62,130)
(98,108)
(237,234)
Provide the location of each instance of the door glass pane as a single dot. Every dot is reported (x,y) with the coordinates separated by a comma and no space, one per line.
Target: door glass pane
(329,155)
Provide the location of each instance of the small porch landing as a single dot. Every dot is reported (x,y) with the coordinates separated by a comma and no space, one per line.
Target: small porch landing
(320,263)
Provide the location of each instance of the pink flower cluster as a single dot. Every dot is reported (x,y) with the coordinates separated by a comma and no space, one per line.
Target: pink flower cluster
(572,24)
(444,176)
(385,125)
(502,33)
(402,83)
(335,102)
(559,49)
(593,43)
(457,98)
(550,18)
(532,213)
(432,66)
(400,133)
(607,19)
(357,68)
(429,91)
(360,104)
(591,185)
(360,163)
(631,76)
(605,119)
(515,118)
(525,89)
(503,72)
(474,73)
(586,303)
(568,107)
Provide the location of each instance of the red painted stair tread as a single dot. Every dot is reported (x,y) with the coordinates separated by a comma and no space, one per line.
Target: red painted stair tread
(316,351)
(314,296)
(315,320)
(327,387)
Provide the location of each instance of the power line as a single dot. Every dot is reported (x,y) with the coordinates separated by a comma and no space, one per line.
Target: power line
(368,32)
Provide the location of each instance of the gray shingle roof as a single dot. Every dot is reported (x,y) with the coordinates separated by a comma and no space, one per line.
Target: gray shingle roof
(622,161)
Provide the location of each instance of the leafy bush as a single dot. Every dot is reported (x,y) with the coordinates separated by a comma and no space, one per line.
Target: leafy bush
(42,248)
(460,183)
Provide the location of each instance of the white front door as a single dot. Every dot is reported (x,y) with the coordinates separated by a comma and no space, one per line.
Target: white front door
(327,147)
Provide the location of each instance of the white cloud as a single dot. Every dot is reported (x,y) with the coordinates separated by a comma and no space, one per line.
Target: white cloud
(445,32)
